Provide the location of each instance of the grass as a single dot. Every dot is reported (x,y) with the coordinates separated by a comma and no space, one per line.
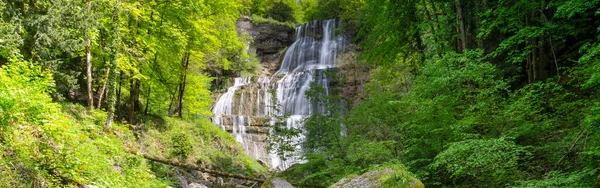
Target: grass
(210,146)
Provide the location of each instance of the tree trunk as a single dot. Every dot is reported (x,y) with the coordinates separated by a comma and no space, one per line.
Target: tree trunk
(111,90)
(88,61)
(118,111)
(103,88)
(113,67)
(173,95)
(461,26)
(194,167)
(186,62)
(147,99)
(132,98)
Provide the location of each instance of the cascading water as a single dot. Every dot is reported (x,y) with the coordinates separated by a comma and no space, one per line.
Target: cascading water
(305,62)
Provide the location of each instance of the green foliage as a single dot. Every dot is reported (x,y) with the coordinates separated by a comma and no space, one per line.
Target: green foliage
(281,138)
(281,12)
(285,11)
(145,41)
(181,146)
(319,170)
(558,179)
(328,9)
(42,145)
(24,89)
(200,142)
(258,20)
(492,162)
(399,177)
(348,11)
(505,109)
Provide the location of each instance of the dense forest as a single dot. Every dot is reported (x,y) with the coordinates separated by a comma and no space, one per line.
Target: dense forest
(457,93)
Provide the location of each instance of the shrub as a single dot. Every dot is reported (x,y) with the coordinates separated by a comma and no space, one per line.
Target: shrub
(481,162)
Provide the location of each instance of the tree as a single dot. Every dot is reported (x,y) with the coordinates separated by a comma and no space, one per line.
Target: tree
(112,78)
(88,59)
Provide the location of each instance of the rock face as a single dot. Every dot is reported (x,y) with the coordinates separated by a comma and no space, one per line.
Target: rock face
(351,77)
(276,183)
(395,177)
(268,41)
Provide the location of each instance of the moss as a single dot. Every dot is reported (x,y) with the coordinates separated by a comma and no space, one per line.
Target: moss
(399,177)
(268,183)
(385,176)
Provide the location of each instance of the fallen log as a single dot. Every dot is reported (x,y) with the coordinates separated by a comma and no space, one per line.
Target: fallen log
(195,167)
(210,171)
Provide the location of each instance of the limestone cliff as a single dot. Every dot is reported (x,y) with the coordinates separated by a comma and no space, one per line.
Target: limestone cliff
(267,40)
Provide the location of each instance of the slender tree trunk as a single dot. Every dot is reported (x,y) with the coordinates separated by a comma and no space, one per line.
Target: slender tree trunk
(111,91)
(132,99)
(88,61)
(113,67)
(186,62)
(118,103)
(147,99)
(535,59)
(173,95)
(461,26)
(103,88)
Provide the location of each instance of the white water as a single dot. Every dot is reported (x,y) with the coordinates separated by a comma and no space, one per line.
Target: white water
(305,61)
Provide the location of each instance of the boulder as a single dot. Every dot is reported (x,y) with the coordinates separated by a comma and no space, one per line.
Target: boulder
(196,185)
(391,176)
(276,183)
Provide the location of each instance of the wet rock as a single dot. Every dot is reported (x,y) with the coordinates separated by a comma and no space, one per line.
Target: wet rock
(276,183)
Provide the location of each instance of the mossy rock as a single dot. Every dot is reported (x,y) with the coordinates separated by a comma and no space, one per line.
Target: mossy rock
(385,177)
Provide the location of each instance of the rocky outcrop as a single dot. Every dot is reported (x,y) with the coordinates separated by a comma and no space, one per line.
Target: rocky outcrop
(351,79)
(268,41)
(392,176)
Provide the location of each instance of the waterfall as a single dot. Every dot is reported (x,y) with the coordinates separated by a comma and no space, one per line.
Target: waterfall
(305,62)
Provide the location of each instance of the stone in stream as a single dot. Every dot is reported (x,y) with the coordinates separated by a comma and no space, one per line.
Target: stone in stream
(276,183)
